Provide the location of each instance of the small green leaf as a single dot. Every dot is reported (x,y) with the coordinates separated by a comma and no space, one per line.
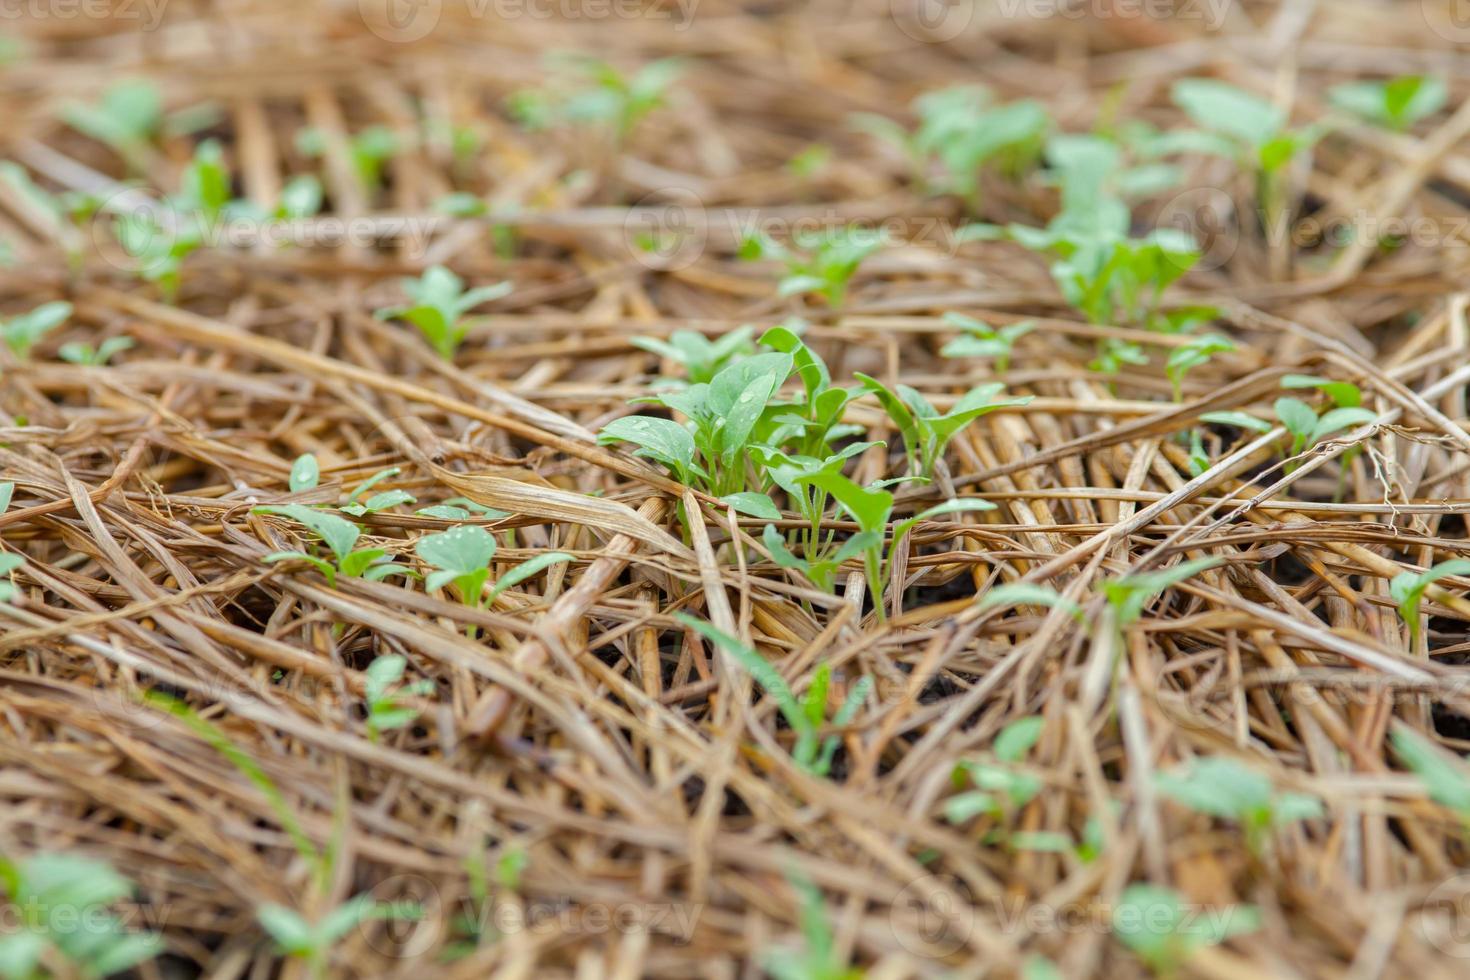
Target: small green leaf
(305,473)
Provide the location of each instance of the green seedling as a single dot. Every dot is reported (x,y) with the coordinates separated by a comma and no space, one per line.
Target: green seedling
(1408,588)
(725,417)
(128,118)
(821,262)
(819,568)
(1444,777)
(312,942)
(1222,787)
(925,431)
(300,198)
(58,917)
(1195,353)
(1158,927)
(161,239)
(959,134)
(818,958)
(369,149)
(1306,429)
(1128,594)
(1344,394)
(814,422)
(340,535)
(1029,594)
(1113,353)
(439,305)
(64,211)
(23,332)
(588,92)
(1396,104)
(385,708)
(810,162)
(980,339)
(812,752)
(1100,268)
(700,357)
(872,508)
(463,557)
(79,352)
(1246,128)
(1002,789)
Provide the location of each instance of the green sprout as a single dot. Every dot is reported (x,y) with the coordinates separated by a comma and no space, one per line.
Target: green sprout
(821,262)
(369,150)
(1001,788)
(340,535)
(1306,429)
(1408,588)
(589,92)
(1222,787)
(1128,594)
(82,353)
(312,942)
(1191,355)
(980,339)
(1397,103)
(1445,779)
(385,708)
(1247,128)
(23,332)
(925,431)
(1162,931)
(439,305)
(128,118)
(463,556)
(60,906)
(811,752)
(818,958)
(8,562)
(160,240)
(1100,268)
(725,417)
(700,357)
(1029,594)
(959,133)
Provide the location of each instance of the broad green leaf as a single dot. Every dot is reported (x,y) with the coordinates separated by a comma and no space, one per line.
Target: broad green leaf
(1238,419)
(1016,739)
(339,533)
(753,504)
(305,473)
(1029,594)
(663,440)
(461,550)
